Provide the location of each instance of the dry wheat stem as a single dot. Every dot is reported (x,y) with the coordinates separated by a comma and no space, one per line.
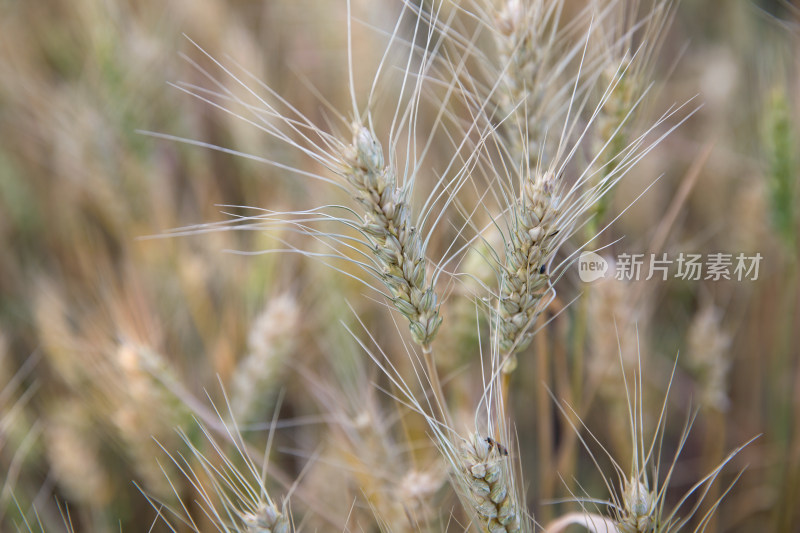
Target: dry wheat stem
(595,523)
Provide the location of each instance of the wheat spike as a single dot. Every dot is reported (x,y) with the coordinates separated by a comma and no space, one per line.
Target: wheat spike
(398,245)
(525,280)
(491,496)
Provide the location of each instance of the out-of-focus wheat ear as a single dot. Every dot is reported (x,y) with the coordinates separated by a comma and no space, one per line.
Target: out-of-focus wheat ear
(707,357)
(624,79)
(534,48)
(106,360)
(366,453)
(708,361)
(74,454)
(271,341)
(466,316)
(781,139)
(613,124)
(615,328)
(521,39)
(146,409)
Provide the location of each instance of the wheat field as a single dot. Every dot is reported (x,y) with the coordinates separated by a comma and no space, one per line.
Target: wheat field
(399,265)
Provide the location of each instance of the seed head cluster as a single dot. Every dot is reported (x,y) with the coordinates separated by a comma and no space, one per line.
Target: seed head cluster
(638,513)
(267,519)
(520,50)
(491,495)
(398,245)
(525,279)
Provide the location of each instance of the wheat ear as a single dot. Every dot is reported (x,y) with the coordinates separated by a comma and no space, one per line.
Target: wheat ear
(638,504)
(398,246)
(491,496)
(525,281)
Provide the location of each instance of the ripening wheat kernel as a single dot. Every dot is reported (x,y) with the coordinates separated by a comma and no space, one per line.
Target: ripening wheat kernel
(638,511)
(270,342)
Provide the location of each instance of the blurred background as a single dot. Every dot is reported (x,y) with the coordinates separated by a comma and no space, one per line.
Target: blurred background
(109,340)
